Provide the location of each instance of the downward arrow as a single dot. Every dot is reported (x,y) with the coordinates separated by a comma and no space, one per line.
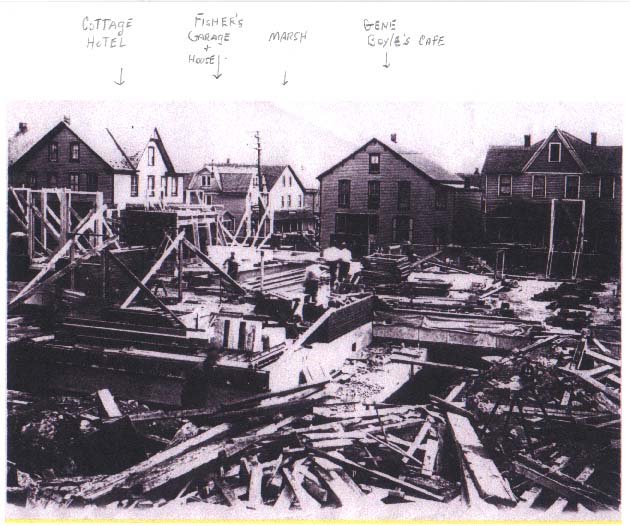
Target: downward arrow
(218,75)
(121,81)
(285,82)
(386,65)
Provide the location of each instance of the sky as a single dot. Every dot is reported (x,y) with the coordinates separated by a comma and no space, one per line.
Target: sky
(312,136)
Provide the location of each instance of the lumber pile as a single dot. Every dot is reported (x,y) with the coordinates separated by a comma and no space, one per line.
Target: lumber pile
(385,268)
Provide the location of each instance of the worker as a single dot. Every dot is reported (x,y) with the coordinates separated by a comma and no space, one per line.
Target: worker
(311,282)
(332,255)
(232,266)
(344,263)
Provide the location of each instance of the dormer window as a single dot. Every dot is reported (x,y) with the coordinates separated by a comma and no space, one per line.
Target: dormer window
(555,152)
(375,163)
(151,156)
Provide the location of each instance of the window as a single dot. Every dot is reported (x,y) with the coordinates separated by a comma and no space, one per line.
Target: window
(174,186)
(164,186)
(290,181)
(403,229)
(51,180)
(539,186)
(300,202)
(344,194)
(404,195)
(33,180)
(555,152)
(375,163)
(74,151)
(441,199)
(134,185)
(208,199)
(505,185)
(74,182)
(374,195)
(373,224)
(288,201)
(341,223)
(151,156)
(53,152)
(572,186)
(284,180)
(282,202)
(151,186)
(607,187)
(92,182)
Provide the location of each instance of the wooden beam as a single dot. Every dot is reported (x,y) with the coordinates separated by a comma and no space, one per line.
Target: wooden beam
(145,289)
(434,364)
(60,273)
(107,405)
(488,479)
(214,266)
(156,266)
(594,383)
(424,430)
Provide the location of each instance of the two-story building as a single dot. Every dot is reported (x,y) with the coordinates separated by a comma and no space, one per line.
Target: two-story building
(237,189)
(382,194)
(553,190)
(130,167)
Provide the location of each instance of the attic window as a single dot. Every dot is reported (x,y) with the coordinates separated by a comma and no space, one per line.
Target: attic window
(74,151)
(555,152)
(375,163)
(53,152)
(151,156)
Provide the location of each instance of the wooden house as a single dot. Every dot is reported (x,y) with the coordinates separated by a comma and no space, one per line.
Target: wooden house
(382,194)
(129,166)
(237,189)
(560,193)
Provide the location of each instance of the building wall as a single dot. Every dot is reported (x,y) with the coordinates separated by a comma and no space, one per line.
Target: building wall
(427,220)
(36,163)
(286,186)
(232,203)
(123,182)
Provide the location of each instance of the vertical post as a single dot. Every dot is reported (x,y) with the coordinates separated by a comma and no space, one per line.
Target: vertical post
(72,275)
(43,200)
(64,212)
(552,221)
(262,271)
(30,224)
(98,223)
(180,269)
(104,275)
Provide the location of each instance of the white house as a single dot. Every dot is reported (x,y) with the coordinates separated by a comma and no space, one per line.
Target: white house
(155,179)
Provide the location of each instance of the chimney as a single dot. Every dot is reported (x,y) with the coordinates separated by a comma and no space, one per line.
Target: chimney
(593,138)
(466,183)
(227,161)
(22,127)
(66,119)
(476,171)
(528,140)
(393,137)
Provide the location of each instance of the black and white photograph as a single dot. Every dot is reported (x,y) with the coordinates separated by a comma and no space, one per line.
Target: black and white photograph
(206,319)
(301,263)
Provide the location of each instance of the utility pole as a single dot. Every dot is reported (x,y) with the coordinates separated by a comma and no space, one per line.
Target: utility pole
(260,183)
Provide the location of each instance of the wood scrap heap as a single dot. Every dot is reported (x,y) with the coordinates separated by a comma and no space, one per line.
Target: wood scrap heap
(537,429)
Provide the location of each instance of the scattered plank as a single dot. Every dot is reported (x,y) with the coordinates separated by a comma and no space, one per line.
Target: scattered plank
(488,480)
(107,406)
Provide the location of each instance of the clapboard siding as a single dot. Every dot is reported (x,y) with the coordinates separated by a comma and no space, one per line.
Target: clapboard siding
(392,170)
(567,162)
(36,163)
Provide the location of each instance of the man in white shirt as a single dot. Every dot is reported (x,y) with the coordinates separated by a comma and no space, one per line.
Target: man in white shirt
(344,263)
(332,255)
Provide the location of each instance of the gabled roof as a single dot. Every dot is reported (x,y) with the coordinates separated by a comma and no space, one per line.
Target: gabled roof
(133,140)
(416,160)
(517,159)
(96,139)
(236,178)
